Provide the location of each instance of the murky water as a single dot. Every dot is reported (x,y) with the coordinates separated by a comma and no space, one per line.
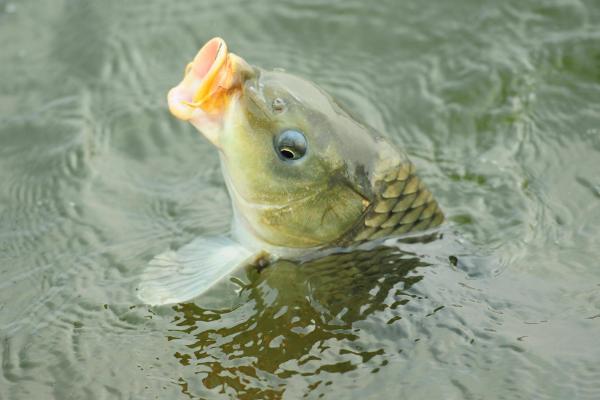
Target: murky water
(497,103)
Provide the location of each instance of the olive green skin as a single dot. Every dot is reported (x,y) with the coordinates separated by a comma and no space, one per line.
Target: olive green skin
(325,198)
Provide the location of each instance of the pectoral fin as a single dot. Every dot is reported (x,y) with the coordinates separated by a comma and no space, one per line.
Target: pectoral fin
(178,276)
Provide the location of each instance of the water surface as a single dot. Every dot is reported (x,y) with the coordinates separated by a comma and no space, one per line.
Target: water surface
(498,105)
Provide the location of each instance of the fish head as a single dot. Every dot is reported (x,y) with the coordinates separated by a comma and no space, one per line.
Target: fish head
(298,167)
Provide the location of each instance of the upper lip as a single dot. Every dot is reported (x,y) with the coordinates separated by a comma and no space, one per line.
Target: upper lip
(209,81)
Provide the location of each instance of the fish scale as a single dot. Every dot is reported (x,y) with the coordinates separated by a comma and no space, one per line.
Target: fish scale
(402,205)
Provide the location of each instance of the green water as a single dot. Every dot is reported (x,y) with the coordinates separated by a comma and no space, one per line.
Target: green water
(498,105)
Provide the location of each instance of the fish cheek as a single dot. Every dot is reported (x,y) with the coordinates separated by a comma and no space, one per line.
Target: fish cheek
(319,219)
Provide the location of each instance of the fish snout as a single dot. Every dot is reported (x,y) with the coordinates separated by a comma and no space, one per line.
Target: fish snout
(210,81)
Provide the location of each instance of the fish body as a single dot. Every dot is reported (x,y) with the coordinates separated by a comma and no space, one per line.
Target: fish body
(303,175)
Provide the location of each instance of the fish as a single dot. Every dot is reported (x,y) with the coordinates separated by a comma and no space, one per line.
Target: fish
(305,177)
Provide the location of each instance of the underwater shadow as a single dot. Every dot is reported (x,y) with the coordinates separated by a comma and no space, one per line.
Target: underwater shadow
(297,324)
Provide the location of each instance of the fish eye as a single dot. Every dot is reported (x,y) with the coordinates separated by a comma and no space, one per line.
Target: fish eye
(290,145)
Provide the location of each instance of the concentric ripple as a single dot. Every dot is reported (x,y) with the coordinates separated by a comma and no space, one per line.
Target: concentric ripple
(497,104)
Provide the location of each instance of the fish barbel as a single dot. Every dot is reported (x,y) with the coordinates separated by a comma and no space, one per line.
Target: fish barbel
(303,175)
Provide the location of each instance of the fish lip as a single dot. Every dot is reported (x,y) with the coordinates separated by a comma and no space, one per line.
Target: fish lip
(200,74)
(212,82)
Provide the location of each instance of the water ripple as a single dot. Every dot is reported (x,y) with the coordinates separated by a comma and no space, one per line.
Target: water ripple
(497,104)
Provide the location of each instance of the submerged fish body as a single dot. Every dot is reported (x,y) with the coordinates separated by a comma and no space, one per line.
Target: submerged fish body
(302,174)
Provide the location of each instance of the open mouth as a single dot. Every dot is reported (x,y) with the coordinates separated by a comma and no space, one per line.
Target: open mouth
(208,60)
(208,82)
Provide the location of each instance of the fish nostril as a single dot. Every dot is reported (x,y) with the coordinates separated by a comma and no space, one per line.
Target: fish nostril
(278,105)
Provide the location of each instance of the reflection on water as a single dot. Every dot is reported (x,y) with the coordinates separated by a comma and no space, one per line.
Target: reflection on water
(497,104)
(298,320)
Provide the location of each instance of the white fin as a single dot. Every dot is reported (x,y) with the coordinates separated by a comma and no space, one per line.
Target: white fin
(178,276)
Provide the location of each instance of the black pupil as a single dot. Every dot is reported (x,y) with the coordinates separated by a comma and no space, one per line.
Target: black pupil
(291,145)
(287,153)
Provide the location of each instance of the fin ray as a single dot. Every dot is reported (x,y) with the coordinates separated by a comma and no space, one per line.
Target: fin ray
(178,276)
